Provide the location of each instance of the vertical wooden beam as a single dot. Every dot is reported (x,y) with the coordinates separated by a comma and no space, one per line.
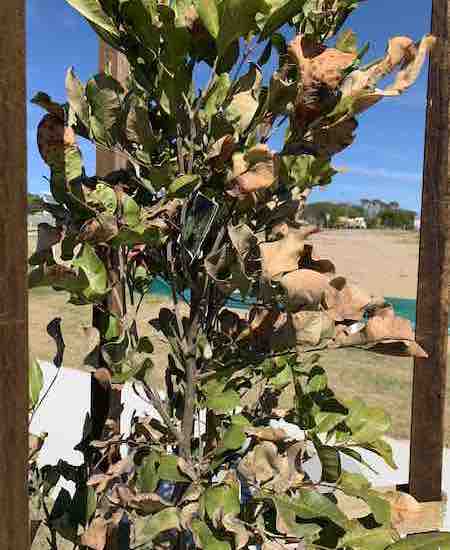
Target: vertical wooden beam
(118,65)
(106,403)
(427,429)
(13,286)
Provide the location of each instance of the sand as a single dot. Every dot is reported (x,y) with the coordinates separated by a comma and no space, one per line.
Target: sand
(382,262)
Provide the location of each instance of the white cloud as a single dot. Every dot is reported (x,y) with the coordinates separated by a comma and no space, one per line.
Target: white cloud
(382,173)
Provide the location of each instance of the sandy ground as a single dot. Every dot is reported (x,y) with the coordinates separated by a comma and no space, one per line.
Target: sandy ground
(381,262)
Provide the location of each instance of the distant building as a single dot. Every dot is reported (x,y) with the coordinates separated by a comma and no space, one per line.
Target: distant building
(417,223)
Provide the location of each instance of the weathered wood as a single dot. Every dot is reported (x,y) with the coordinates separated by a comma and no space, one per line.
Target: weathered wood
(106,403)
(427,429)
(13,288)
(118,67)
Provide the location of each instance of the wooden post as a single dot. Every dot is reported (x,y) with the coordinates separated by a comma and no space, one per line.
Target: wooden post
(13,285)
(428,400)
(118,65)
(106,403)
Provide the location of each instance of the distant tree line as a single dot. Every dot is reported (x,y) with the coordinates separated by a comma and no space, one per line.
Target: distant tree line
(377,213)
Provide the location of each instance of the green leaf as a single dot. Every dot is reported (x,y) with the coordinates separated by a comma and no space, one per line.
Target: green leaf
(327,421)
(367,424)
(76,97)
(103,93)
(225,497)
(237,19)
(331,463)
(311,504)
(183,185)
(429,541)
(216,97)
(232,439)
(383,450)
(368,539)
(104,196)
(35,383)
(93,11)
(147,478)
(138,15)
(347,42)
(209,14)
(286,520)
(282,15)
(94,270)
(168,469)
(356,485)
(131,212)
(204,537)
(223,402)
(160,522)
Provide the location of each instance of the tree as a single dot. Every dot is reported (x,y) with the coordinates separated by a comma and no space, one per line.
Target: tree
(206,205)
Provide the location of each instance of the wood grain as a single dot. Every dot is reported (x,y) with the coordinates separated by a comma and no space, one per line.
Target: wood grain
(429,386)
(13,288)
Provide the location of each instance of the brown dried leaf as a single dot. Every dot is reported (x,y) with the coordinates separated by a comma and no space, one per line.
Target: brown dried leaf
(265,465)
(304,287)
(99,230)
(317,63)
(403,506)
(283,256)
(345,301)
(267,433)
(240,532)
(95,536)
(53,136)
(221,151)
(255,171)
(401,51)
(48,237)
(310,327)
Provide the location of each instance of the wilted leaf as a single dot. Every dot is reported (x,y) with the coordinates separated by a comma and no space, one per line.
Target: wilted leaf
(303,287)
(95,536)
(48,237)
(260,171)
(401,51)
(53,137)
(283,256)
(54,330)
(310,327)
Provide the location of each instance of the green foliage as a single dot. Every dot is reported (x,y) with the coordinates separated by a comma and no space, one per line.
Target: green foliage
(207,206)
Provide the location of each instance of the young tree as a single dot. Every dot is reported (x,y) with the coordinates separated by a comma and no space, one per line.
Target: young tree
(231,115)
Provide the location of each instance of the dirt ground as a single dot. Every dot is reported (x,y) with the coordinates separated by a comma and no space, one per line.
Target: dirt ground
(381,262)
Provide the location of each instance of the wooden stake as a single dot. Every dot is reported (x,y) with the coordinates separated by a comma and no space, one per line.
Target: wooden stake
(106,404)
(427,429)
(13,285)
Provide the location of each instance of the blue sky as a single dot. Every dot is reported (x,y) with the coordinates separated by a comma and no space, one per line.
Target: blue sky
(385,161)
